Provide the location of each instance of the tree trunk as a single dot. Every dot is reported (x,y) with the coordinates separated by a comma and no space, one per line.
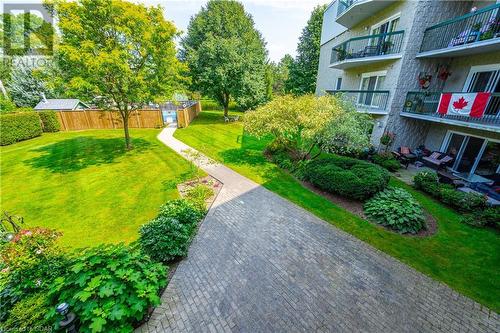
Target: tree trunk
(226,104)
(2,89)
(125,115)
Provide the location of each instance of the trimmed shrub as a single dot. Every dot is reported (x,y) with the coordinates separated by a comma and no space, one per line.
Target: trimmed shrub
(165,239)
(19,126)
(182,210)
(487,217)
(346,176)
(424,179)
(109,287)
(50,123)
(461,201)
(387,161)
(396,209)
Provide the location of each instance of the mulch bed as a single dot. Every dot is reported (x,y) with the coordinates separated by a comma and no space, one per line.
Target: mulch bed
(209,181)
(356,207)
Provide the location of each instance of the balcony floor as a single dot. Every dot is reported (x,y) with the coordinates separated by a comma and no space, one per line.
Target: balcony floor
(361,10)
(485,46)
(356,62)
(476,125)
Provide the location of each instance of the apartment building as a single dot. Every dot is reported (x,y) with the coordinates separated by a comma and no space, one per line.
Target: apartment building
(428,71)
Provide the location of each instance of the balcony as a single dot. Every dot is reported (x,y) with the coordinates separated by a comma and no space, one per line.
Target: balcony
(366,101)
(367,50)
(473,33)
(424,105)
(351,12)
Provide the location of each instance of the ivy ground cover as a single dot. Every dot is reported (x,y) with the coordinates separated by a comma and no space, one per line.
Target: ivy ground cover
(88,186)
(464,257)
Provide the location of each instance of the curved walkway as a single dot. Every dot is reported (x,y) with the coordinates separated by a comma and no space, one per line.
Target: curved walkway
(261,264)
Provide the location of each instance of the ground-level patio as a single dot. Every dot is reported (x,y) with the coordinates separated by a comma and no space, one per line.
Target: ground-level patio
(262,264)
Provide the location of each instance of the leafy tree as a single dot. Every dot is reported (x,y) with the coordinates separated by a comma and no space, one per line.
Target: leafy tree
(301,124)
(15,29)
(304,69)
(26,87)
(122,52)
(280,73)
(226,55)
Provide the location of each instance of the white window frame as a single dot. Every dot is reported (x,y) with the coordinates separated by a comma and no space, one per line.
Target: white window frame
(389,19)
(370,74)
(446,142)
(476,69)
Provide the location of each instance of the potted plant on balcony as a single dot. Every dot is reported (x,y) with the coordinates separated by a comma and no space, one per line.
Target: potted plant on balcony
(475,32)
(386,46)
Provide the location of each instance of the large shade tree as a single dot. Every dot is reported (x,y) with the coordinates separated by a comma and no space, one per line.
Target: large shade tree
(304,69)
(122,52)
(226,55)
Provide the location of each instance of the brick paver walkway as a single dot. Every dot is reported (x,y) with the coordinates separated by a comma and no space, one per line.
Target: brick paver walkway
(261,264)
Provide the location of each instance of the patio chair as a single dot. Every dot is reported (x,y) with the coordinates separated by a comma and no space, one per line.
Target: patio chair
(437,160)
(405,156)
(226,119)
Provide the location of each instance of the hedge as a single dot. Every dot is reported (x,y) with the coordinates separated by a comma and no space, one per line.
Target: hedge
(50,123)
(346,176)
(19,126)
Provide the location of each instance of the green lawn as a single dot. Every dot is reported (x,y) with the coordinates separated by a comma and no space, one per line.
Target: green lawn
(87,185)
(465,258)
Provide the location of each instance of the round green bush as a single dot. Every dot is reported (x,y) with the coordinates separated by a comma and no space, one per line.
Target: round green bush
(346,176)
(28,315)
(19,126)
(109,287)
(396,209)
(49,121)
(165,239)
(184,211)
(387,161)
(482,218)
(425,179)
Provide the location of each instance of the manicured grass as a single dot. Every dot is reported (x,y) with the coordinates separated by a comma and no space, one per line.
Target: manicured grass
(465,258)
(87,185)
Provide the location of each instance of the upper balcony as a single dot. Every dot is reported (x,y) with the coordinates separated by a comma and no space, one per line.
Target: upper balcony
(424,105)
(473,33)
(366,101)
(367,49)
(351,12)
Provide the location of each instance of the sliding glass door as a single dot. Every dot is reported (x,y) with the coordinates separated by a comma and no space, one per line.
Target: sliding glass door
(475,157)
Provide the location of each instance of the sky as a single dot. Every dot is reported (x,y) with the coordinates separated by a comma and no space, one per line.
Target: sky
(280,21)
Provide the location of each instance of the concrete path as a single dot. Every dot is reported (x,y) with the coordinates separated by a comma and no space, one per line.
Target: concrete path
(261,264)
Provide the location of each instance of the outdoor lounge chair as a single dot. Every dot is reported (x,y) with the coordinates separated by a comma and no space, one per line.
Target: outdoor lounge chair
(437,160)
(405,156)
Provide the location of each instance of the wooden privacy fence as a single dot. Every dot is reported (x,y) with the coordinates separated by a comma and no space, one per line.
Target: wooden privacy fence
(100,119)
(186,114)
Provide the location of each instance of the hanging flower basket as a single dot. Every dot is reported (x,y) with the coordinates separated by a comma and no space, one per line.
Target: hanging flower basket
(424,80)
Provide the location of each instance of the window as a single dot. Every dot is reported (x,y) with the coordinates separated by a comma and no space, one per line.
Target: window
(369,83)
(483,79)
(339,83)
(476,158)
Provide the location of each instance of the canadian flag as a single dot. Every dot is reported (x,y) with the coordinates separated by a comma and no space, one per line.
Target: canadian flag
(464,104)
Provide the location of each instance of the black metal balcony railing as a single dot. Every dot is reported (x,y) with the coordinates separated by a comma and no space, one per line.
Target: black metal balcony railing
(480,25)
(368,46)
(426,103)
(365,100)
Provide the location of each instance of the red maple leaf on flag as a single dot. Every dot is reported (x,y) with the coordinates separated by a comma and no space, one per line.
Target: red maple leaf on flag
(460,104)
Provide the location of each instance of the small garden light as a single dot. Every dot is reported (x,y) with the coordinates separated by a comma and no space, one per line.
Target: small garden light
(70,321)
